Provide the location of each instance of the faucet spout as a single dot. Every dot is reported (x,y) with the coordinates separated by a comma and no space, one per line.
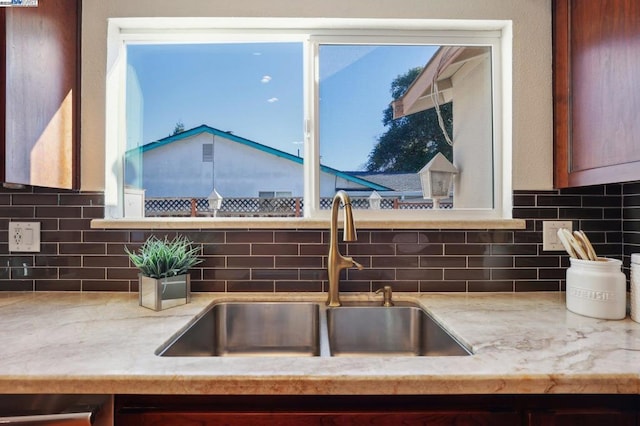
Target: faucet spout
(337,262)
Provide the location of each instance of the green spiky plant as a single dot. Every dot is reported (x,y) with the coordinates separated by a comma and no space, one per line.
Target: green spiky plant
(164,258)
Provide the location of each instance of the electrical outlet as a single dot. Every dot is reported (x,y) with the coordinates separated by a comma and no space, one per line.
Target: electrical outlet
(24,237)
(550,240)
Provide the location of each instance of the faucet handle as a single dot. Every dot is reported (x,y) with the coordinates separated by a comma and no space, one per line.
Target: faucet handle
(387,294)
(357,265)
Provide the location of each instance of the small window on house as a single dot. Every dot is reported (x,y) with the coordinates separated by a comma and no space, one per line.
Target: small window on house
(274,194)
(207,153)
(366,111)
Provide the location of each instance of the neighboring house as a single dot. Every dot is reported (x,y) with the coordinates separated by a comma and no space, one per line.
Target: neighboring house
(192,163)
(461,74)
(401,184)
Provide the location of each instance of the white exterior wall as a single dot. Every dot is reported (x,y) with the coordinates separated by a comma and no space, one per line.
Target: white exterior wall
(243,171)
(472,135)
(327,185)
(177,170)
(238,171)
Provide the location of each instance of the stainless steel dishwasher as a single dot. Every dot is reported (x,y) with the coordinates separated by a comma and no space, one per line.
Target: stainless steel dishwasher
(51,410)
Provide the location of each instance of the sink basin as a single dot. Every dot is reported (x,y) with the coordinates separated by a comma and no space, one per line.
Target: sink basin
(397,330)
(312,329)
(251,329)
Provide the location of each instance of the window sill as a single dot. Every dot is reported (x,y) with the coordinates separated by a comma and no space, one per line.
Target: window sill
(302,223)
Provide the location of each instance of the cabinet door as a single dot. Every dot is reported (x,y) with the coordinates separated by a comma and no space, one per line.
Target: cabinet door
(582,418)
(476,418)
(40,94)
(596,91)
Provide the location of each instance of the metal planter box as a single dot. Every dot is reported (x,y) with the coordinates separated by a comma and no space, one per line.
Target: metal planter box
(163,293)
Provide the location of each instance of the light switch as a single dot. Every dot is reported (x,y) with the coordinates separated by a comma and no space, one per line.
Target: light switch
(550,240)
(24,237)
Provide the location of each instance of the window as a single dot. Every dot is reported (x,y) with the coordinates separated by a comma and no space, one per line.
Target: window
(207,153)
(364,106)
(275,194)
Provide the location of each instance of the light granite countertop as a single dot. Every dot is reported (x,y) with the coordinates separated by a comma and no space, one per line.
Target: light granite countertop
(105,343)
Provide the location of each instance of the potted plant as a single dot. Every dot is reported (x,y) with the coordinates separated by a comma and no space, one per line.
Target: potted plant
(164,281)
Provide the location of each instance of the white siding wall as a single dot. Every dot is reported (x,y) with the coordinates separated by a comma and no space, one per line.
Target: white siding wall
(177,170)
(472,136)
(328,185)
(243,171)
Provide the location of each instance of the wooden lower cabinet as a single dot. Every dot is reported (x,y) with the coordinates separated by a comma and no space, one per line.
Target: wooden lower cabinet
(582,418)
(582,410)
(430,410)
(323,419)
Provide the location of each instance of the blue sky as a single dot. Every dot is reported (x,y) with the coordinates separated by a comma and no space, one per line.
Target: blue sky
(255,91)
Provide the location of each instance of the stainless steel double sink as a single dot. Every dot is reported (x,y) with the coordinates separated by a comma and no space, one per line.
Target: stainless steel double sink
(312,329)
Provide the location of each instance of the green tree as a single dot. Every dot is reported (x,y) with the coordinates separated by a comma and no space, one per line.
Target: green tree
(410,142)
(179,128)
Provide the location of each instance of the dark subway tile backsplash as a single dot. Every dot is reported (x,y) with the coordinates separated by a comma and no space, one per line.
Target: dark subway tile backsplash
(75,257)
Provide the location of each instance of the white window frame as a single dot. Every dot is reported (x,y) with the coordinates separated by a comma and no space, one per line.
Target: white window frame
(497,34)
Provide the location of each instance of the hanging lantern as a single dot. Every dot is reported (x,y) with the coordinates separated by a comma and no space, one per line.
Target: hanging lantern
(374,200)
(436,179)
(215,201)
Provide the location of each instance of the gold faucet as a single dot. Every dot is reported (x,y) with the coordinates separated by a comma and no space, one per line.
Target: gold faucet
(337,262)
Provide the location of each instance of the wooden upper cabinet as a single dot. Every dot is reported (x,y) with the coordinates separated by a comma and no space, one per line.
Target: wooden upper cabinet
(596,49)
(40,94)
